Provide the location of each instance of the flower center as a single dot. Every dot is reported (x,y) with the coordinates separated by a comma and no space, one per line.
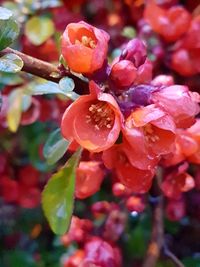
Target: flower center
(149,134)
(101,115)
(86,41)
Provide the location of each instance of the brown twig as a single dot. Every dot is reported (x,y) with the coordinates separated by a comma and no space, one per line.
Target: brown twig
(35,66)
(156,241)
(173,257)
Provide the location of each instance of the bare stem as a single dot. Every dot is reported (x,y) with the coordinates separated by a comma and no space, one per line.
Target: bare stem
(35,66)
(156,241)
(173,258)
(157,234)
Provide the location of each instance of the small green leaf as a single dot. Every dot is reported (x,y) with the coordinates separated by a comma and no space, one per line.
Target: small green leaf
(129,32)
(55,147)
(14,109)
(10,78)
(26,102)
(9,29)
(67,84)
(11,63)
(39,29)
(72,95)
(42,87)
(58,196)
(5,13)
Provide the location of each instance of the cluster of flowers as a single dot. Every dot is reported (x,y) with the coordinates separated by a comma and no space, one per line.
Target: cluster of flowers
(24,190)
(96,251)
(132,120)
(177,27)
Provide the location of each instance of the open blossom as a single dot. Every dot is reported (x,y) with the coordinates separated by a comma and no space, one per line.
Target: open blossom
(93,120)
(89,176)
(150,133)
(84,47)
(139,181)
(179,102)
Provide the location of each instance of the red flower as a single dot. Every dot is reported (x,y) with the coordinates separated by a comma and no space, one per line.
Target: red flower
(135,203)
(94,120)
(79,231)
(29,197)
(73,3)
(133,66)
(181,104)
(185,147)
(186,62)
(171,23)
(115,225)
(161,80)
(29,176)
(174,184)
(195,132)
(175,209)
(150,132)
(123,73)
(89,176)
(191,39)
(9,189)
(101,254)
(139,181)
(75,259)
(84,47)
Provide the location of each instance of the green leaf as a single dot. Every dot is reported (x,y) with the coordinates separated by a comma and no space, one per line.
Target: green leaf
(129,32)
(10,78)
(9,29)
(55,147)
(58,196)
(5,13)
(14,109)
(18,258)
(26,102)
(11,63)
(191,262)
(41,87)
(39,29)
(67,84)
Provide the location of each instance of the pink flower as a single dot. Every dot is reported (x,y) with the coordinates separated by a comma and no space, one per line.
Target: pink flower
(181,104)
(150,133)
(93,120)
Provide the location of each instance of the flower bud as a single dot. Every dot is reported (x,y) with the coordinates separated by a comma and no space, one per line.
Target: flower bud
(123,73)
